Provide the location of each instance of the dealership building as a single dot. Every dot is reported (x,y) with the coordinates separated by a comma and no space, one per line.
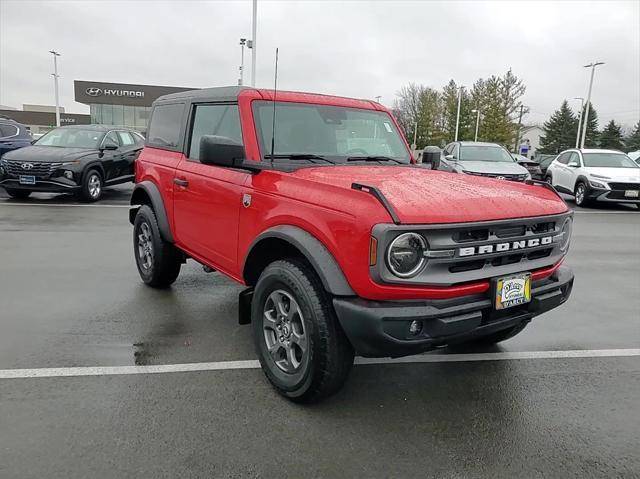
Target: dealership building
(121,104)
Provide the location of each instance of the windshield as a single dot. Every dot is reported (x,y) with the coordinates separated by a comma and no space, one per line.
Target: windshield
(332,132)
(608,160)
(484,153)
(71,138)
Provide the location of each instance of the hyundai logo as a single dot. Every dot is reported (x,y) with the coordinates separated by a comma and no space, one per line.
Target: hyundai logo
(94,91)
(27,166)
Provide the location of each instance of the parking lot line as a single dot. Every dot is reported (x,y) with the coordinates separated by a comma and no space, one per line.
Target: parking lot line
(254,364)
(62,205)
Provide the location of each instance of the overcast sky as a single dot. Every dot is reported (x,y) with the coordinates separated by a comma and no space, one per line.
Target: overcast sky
(358,48)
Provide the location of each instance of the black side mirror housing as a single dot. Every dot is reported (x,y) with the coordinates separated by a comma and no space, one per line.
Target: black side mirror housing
(109,146)
(221,151)
(432,155)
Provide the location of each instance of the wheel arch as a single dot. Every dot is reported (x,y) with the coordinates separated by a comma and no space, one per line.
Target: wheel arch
(291,241)
(147,193)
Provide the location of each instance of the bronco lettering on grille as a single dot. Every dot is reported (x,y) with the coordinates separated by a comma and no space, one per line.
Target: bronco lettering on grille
(501,247)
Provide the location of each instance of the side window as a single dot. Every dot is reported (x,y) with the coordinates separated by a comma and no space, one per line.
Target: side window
(164,128)
(447,149)
(221,120)
(575,158)
(564,158)
(125,138)
(455,151)
(111,137)
(7,130)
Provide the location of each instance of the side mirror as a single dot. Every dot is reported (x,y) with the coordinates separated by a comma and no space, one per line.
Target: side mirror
(109,145)
(449,157)
(432,155)
(221,151)
(573,164)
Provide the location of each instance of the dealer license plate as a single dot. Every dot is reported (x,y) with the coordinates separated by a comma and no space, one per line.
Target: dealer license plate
(513,291)
(631,193)
(27,180)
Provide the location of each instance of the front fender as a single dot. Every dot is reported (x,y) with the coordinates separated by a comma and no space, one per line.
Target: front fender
(146,192)
(330,273)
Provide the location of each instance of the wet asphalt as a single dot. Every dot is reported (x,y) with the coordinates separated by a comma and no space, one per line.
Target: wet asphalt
(70,295)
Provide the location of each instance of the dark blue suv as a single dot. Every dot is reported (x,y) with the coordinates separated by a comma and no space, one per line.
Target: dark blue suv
(13,135)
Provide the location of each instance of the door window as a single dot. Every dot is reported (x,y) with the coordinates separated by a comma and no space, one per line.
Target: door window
(164,129)
(564,158)
(220,120)
(125,138)
(111,137)
(573,157)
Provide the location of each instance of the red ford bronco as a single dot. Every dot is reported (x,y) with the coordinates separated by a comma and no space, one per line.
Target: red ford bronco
(344,244)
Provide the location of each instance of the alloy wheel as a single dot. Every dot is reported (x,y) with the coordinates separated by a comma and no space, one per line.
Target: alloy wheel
(94,186)
(284,331)
(145,246)
(580,194)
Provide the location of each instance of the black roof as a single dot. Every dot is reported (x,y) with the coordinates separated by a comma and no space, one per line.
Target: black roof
(225,93)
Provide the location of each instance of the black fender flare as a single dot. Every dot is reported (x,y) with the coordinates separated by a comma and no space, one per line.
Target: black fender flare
(93,164)
(148,189)
(323,262)
(582,179)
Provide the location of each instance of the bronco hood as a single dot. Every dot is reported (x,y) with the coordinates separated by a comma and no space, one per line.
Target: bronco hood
(419,195)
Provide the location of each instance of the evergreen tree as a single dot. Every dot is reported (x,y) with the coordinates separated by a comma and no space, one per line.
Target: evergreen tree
(632,142)
(591,139)
(611,137)
(559,131)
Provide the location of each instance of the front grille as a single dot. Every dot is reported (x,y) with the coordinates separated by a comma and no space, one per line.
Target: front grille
(37,169)
(466,252)
(624,186)
(620,195)
(499,176)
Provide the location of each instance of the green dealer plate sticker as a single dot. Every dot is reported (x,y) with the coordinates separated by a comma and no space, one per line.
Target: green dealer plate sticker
(513,291)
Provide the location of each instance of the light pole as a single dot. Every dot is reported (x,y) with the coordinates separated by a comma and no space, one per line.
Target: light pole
(477,112)
(55,83)
(243,42)
(593,66)
(579,119)
(458,114)
(253,43)
(415,136)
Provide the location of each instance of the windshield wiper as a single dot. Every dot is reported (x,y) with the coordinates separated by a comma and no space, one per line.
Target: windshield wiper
(298,156)
(373,158)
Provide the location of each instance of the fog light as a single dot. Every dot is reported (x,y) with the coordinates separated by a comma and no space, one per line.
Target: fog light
(415,328)
(68,174)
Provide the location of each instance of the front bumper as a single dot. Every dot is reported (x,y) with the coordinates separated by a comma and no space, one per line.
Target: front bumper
(381,329)
(611,196)
(52,185)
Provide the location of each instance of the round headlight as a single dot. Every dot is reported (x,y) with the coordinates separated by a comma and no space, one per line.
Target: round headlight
(566,234)
(405,256)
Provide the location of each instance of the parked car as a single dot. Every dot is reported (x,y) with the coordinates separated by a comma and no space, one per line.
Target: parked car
(544,161)
(481,159)
(13,135)
(80,159)
(344,245)
(533,167)
(596,175)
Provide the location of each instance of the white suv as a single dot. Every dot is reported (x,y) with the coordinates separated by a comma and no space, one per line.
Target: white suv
(596,175)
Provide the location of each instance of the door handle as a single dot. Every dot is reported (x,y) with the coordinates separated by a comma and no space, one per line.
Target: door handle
(181,182)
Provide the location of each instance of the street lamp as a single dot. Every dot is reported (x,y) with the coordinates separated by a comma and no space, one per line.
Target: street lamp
(252,42)
(477,112)
(579,119)
(593,66)
(458,114)
(243,42)
(55,83)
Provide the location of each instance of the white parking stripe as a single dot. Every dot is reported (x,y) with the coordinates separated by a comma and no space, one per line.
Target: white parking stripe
(254,364)
(62,205)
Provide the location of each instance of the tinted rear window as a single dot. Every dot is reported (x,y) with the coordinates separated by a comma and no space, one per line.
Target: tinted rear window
(8,130)
(165,126)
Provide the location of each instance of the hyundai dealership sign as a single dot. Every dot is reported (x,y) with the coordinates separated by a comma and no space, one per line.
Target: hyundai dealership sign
(91,92)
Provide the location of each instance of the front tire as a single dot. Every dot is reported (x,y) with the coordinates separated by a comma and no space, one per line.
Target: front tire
(92,186)
(302,349)
(581,193)
(18,194)
(158,262)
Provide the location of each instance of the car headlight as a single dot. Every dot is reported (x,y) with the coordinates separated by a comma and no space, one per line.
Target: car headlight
(406,255)
(567,228)
(598,184)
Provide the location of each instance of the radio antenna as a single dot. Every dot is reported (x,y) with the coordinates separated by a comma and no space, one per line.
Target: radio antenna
(273,123)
